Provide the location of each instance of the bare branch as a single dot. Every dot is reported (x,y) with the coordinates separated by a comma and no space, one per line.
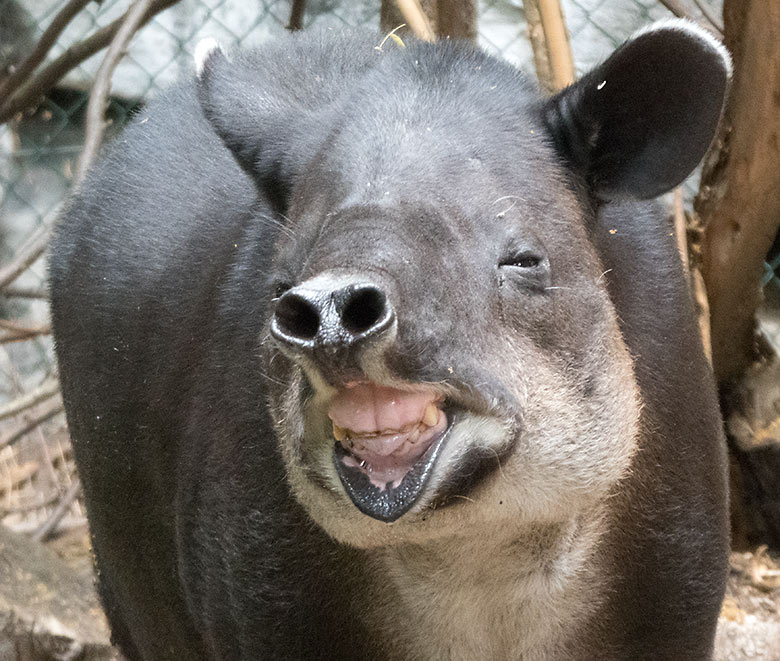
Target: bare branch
(50,525)
(681,12)
(98,97)
(29,527)
(55,408)
(710,15)
(47,389)
(45,501)
(25,256)
(47,77)
(296,15)
(17,332)
(456,19)
(676,8)
(41,84)
(42,48)
(24,292)
(19,328)
(10,338)
(416,19)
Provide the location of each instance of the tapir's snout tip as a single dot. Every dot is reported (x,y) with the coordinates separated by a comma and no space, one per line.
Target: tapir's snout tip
(341,312)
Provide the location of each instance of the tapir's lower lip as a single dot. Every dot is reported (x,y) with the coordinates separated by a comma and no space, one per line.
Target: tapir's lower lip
(390,503)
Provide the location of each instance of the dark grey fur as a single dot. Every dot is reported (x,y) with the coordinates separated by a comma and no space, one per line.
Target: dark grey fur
(433,172)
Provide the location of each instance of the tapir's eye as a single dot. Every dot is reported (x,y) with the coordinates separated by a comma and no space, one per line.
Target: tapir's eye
(527,268)
(278,288)
(524,259)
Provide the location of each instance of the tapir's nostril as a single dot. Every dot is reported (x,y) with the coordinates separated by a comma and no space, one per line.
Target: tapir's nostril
(364,309)
(297,317)
(319,314)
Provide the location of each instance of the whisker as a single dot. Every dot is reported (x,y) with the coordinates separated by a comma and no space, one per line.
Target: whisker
(457,495)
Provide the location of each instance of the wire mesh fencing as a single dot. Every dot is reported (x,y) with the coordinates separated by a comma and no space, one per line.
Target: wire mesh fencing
(40,145)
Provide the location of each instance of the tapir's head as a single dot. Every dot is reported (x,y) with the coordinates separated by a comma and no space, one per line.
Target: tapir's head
(440,340)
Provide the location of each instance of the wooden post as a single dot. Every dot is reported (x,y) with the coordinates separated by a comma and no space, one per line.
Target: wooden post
(549,37)
(456,19)
(415,18)
(739,197)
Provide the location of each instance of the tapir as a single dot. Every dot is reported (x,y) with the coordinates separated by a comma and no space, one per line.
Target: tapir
(370,351)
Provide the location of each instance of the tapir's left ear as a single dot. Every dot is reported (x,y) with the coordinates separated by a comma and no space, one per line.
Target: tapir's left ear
(269,135)
(638,124)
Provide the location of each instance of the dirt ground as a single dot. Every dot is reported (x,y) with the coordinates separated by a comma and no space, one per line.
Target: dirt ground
(749,626)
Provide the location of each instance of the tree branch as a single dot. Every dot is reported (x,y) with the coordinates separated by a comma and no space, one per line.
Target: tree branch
(19,328)
(41,84)
(24,292)
(47,389)
(19,332)
(676,8)
(53,409)
(46,501)
(710,15)
(416,19)
(26,255)
(71,58)
(296,15)
(50,525)
(98,97)
(42,48)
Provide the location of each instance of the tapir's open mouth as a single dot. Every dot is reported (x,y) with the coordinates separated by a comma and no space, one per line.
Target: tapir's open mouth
(387,441)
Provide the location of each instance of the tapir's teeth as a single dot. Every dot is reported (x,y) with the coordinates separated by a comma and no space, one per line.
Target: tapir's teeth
(413,431)
(431,416)
(414,436)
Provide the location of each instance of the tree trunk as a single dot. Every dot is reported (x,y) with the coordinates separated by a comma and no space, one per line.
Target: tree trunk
(739,197)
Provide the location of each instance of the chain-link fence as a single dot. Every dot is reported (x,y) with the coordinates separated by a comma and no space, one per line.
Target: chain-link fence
(39,147)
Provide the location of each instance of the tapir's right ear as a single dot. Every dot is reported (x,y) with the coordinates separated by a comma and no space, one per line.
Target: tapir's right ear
(639,123)
(268,136)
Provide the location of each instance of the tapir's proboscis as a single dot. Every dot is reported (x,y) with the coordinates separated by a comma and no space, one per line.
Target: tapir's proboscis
(376,353)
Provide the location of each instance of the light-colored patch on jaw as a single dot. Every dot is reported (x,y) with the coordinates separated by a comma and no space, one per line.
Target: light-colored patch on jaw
(565,459)
(468,433)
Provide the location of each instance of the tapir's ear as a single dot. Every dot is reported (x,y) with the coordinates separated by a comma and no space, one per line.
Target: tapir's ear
(638,124)
(260,129)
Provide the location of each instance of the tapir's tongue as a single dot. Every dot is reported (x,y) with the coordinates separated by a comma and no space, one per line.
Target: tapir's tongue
(385,430)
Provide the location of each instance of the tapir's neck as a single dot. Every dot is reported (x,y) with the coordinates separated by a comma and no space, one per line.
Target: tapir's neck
(488,594)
